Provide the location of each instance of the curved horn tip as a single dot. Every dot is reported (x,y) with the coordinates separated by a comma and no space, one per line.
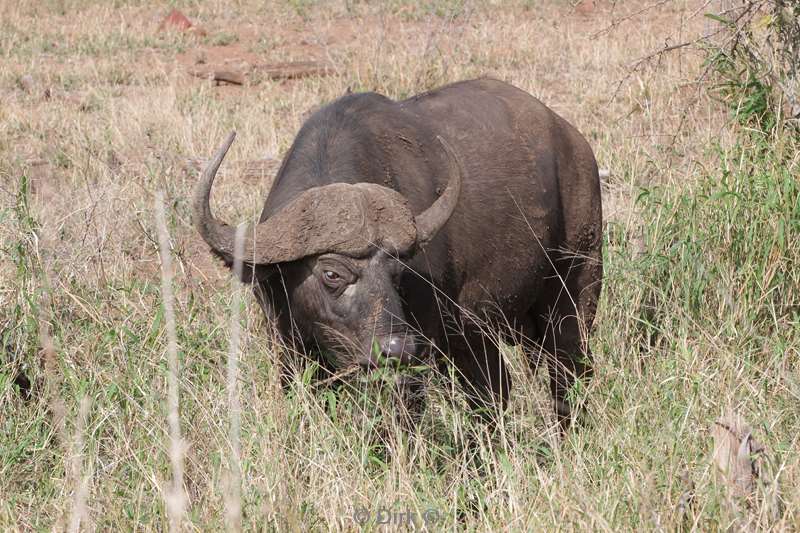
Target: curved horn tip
(213,164)
(432,219)
(221,151)
(444,143)
(455,161)
(229,139)
(218,235)
(456,167)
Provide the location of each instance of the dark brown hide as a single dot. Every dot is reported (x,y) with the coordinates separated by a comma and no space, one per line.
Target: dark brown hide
(520,253)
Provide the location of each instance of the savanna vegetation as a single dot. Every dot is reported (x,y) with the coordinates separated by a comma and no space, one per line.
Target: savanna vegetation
(692,108)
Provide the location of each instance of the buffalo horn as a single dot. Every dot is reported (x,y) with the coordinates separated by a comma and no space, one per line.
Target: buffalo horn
(432,219)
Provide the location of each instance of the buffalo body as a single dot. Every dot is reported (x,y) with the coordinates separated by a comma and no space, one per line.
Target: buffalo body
(431,225)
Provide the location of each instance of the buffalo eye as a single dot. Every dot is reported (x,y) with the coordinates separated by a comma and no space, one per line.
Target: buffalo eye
(335,274)
(331,278)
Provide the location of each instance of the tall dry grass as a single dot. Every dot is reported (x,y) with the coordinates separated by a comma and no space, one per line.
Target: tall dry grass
(174,496)
(233,500)
(698,311)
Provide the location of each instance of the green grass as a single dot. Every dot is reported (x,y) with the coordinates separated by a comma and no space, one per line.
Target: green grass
(703,318)
(700,309)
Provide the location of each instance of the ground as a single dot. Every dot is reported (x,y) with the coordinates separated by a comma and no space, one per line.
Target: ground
(101,108)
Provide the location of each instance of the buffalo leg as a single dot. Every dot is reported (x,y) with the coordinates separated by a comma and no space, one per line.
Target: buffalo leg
(481,370)
(564,317)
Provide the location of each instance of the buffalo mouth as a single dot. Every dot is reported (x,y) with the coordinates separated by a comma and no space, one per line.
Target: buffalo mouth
(402,352)
(395,350)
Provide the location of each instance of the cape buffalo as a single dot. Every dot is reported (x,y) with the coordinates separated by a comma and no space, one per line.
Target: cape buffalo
(439,223)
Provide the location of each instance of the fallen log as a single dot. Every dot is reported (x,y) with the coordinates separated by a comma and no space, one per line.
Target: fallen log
(295,69)
(220,76)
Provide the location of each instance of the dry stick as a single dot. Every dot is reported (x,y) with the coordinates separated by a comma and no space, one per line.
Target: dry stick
(233,496)
(174,497)
(79,512)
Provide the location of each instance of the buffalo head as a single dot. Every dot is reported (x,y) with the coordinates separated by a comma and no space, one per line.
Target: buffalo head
(340,250)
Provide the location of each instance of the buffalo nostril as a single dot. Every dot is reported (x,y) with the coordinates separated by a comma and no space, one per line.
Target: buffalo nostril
(398,348)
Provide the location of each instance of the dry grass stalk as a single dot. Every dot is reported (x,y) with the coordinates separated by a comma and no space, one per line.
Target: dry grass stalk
(47,354)
(81,480)
(233,497)
(175,498)
(58,410)
(54,381)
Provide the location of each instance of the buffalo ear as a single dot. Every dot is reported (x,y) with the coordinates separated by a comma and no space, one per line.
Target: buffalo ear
(256,273)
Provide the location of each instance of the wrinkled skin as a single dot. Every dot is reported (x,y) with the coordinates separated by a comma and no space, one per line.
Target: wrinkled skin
(520,254)
(342,305)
